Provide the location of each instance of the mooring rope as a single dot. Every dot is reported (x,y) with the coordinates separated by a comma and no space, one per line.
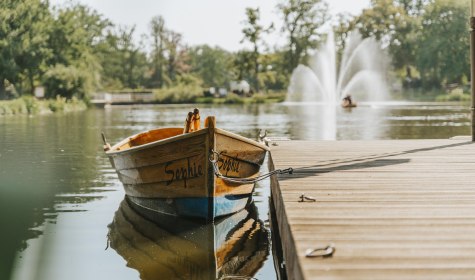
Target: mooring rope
(214,161)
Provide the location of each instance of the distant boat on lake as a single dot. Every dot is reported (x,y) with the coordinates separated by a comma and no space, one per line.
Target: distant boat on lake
(347,102)
(162,247)
(196,172)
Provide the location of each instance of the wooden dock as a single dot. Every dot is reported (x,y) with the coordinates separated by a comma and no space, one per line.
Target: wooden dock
(394,209)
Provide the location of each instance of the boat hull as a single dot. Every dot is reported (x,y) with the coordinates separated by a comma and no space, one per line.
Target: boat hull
(198,207)
(170,172)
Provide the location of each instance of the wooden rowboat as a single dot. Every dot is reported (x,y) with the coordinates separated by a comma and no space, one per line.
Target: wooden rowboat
(206,173)
(161,247)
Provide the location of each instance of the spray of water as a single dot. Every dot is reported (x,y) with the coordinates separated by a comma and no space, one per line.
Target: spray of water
(361,73)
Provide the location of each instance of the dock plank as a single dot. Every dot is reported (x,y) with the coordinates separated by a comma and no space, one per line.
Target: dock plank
(394,209)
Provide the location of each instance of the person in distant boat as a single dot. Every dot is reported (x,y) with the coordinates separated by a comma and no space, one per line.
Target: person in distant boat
(347,102)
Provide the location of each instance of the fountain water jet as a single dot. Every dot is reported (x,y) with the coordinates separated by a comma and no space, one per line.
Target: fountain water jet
(361,73)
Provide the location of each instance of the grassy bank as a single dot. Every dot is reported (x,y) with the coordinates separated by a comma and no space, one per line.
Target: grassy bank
(192,94)
(232,98)
(440,95)
(28,105)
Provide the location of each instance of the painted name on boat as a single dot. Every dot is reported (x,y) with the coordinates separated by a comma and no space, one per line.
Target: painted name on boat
(191,170)
(228,164)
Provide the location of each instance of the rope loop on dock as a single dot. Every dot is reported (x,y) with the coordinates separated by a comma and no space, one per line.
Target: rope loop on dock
(214,159)
(324,252)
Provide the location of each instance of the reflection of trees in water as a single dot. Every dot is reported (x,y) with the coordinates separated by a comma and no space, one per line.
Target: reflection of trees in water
(43,158)
(417,123)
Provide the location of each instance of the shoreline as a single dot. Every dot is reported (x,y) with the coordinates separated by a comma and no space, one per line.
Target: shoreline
(30,106)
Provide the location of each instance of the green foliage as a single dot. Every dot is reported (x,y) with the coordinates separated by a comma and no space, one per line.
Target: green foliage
(243,65)
(23,41)
(345,25)
(13,107)
(275,96)
(65,81)
(389,22)
(61,104)
(74,37)
(272,75)
(454,95)
(124,65)
(207,100)
(32,105)
(58,104)
(28,105)
(187,90)
(75,32)
(74,50)
(33,51)
(303,20)
(258,98)
(212,65)
(427,40)
(36,39)
(158,34)
(178,94)
(232,98)
(443,45)
(253,32)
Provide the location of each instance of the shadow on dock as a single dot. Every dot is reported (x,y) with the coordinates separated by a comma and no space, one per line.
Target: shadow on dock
(370,161)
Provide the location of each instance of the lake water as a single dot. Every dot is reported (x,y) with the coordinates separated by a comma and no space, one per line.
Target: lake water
(62,205)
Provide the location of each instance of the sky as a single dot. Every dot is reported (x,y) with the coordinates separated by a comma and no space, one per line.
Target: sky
(212,22)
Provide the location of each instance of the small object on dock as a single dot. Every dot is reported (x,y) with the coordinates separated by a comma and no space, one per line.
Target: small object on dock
(304,198)
(324,252)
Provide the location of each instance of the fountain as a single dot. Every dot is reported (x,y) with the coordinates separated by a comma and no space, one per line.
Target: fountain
(361,73)
(317,89)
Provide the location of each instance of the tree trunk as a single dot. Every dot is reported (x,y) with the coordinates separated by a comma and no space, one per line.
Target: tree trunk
(32,82)
(171,68)
(3,94)
(408,72)
(256,68)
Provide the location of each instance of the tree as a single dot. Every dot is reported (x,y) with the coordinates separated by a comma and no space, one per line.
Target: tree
(443,44)
(8,66)
(345,25)
(413,7)
(253,32)
(23,41)
(396,23)
(272,76)
(133,61)
(76,32)
(243,65)
(173,50)
(383,21)
(211,65)
(33,50)
(302,20)
(123,61)
(158,35)
(65,81)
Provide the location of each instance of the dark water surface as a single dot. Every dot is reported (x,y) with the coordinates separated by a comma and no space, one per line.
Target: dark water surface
(60,199)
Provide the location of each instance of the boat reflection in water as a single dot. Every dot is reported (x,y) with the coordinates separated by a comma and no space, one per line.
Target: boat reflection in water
(165,247)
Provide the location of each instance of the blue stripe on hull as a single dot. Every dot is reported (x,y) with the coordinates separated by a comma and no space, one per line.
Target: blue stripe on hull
(199,207)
